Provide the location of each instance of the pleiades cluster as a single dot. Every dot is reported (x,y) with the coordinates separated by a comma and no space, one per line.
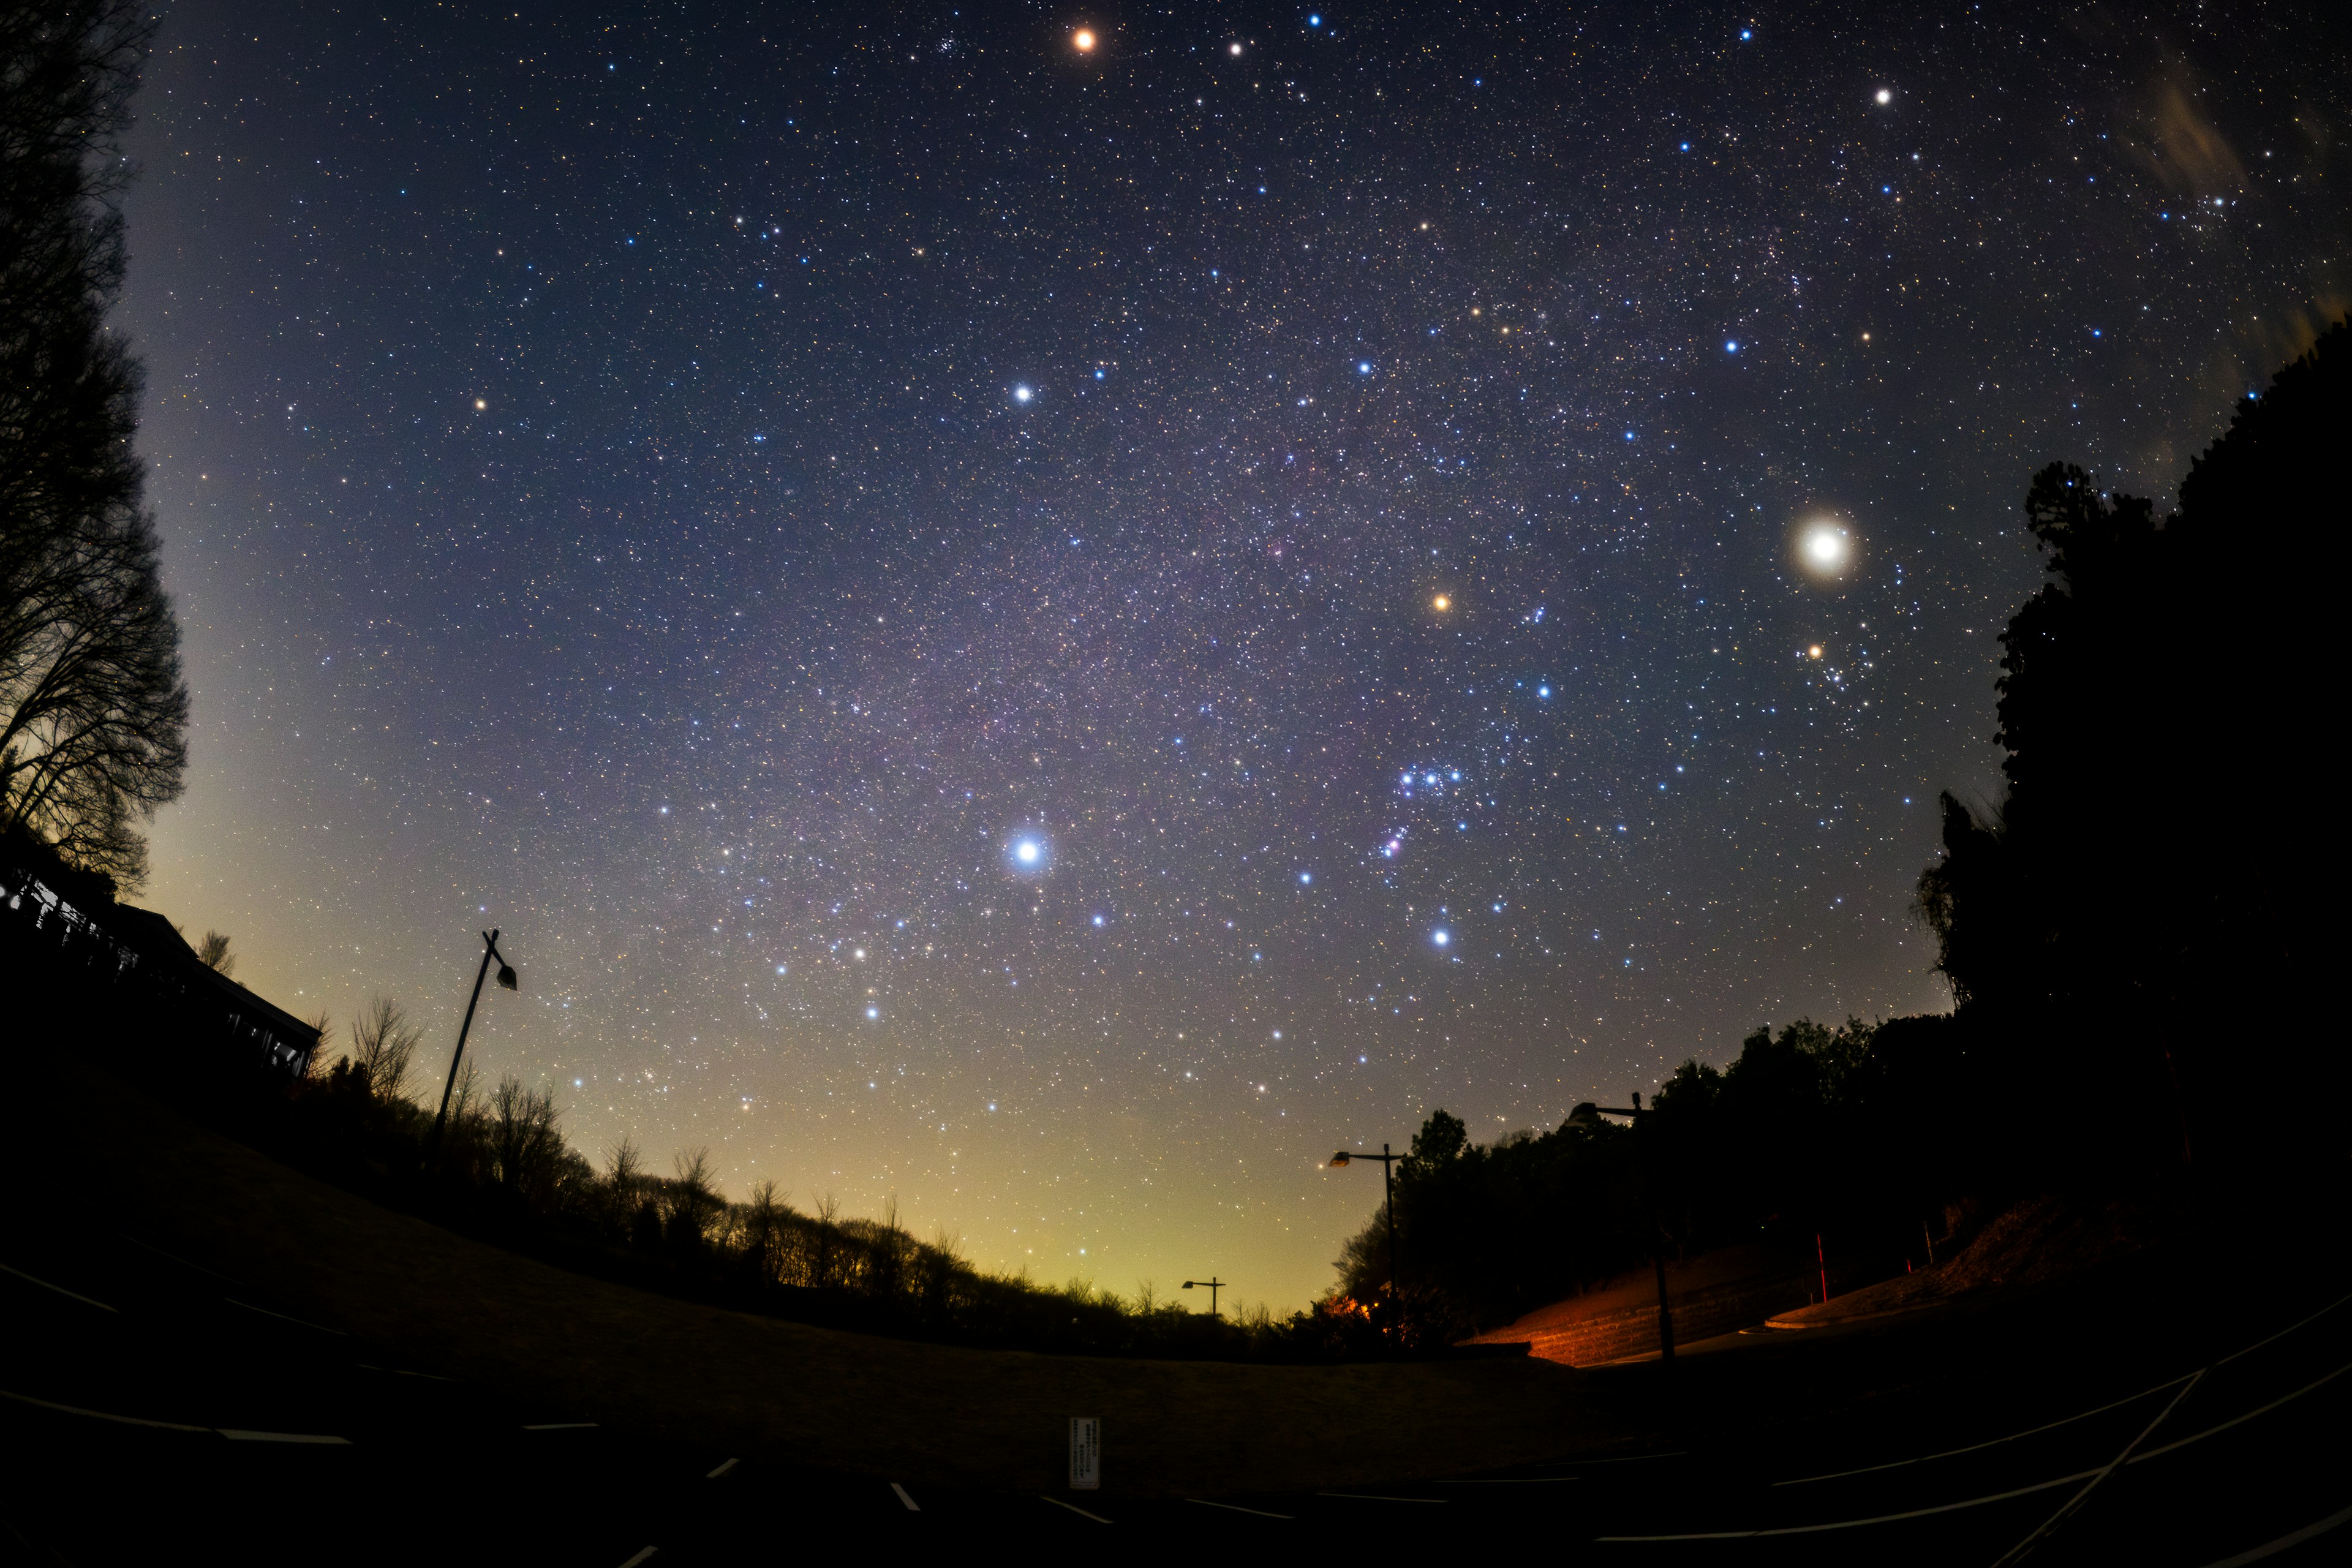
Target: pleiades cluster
(1052,612)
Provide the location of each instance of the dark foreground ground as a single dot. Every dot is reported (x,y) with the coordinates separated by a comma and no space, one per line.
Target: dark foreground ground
(207,1357)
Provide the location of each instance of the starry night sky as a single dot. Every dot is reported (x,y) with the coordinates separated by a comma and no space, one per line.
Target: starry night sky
(699,489)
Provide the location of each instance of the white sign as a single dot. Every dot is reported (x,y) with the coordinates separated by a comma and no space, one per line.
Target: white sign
(1086,1453)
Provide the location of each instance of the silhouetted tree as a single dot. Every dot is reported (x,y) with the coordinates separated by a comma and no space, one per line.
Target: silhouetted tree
(321,1059)
(214,954)
(624,1176)
(93,711)
(692,1202)
(383,1047)
(2151,867)
(1810,1128)
(525,1143)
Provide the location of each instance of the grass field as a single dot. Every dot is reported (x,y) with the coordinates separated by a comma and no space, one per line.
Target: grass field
(591,1351)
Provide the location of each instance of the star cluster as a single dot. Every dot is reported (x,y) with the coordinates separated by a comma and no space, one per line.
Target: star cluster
(1055,630)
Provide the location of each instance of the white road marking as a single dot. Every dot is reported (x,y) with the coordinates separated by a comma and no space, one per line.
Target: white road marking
(640,1557)
(2131,1455)
(1375,1497)
(912,1506)
(282,1317)
(102,1414)
(2249,1416)
(1855,1523)
(1992,1442)
(723,1467)
(2284,1332)
(182,1262)
(234,1434)
(559,1426)
(2270,1549)
(74,1295)
(1236,1508)
(2103,1409)
(396,1372)
(1073,1508)
(1510,1481)
(2066,1509)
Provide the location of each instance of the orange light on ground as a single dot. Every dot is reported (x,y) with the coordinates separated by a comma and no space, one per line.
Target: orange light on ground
(1082,41)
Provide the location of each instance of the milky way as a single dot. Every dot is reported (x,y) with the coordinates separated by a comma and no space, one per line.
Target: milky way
(1056,633)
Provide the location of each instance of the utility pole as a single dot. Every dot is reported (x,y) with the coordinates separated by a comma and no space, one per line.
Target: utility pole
(1211,1285)
(1387,1181)
(1633,1113)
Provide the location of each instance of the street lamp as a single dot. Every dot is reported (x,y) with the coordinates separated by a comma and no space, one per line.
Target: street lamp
(506,979)
(1387,1181)
(1211,1285)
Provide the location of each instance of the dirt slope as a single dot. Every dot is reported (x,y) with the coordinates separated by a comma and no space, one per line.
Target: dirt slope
(2035,1240)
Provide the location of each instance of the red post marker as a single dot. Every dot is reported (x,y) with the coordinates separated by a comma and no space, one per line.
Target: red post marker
(1823,1258)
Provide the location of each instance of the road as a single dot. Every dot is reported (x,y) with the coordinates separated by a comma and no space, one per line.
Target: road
(156,1409)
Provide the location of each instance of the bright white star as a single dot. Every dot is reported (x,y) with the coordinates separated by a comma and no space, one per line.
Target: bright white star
(1825,548)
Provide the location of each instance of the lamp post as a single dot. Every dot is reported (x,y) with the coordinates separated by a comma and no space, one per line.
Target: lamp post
(1635,1112)
(1211,1285)
(1387,1181)
(506,979)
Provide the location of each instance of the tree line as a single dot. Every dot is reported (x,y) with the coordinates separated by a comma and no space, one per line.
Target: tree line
(1807,1129)
(505,1172)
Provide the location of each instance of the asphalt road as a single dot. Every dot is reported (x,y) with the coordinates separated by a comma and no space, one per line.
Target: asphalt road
(157,1411)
